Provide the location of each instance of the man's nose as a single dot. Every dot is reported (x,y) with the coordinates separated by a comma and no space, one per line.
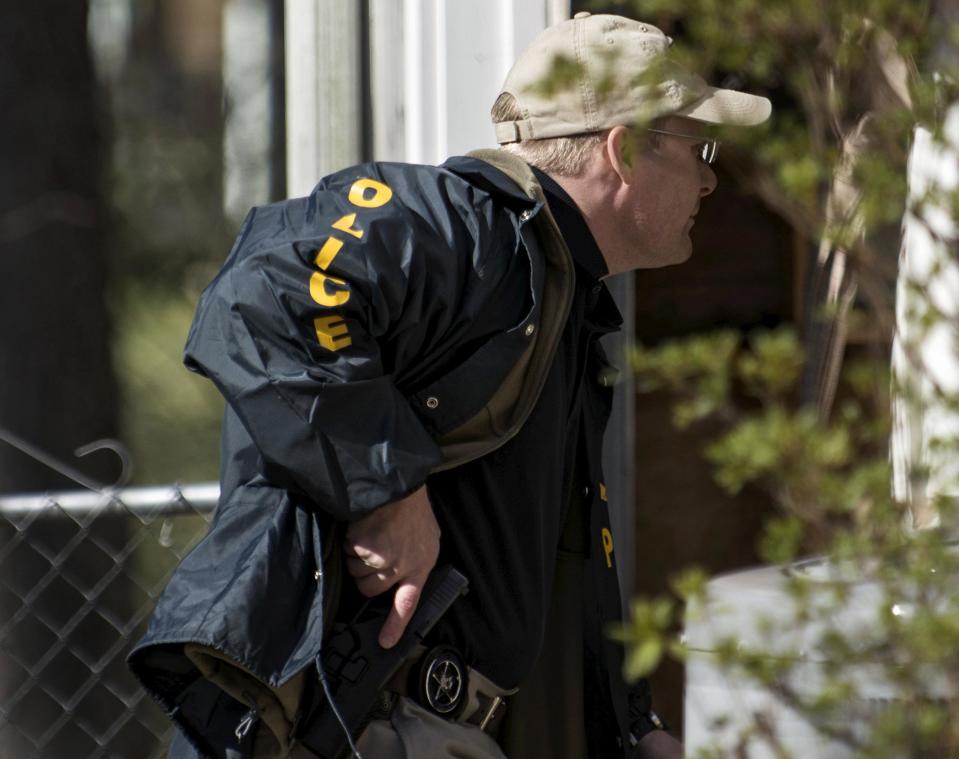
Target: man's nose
(708,178)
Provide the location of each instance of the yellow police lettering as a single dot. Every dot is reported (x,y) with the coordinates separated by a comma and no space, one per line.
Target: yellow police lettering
(608,547)
(380,197)
(328,291)
(332,332)
(323,296)
(327,253)
(345,224)
(602,492)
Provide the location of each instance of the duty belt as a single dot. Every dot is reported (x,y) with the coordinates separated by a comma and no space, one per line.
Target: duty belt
(439,681)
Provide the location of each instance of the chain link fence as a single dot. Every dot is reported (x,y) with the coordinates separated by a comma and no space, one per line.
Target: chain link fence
(79,575)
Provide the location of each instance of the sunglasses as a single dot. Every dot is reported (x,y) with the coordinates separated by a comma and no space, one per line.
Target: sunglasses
(707,149)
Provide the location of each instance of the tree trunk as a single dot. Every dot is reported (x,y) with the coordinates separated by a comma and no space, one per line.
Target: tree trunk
(57,388)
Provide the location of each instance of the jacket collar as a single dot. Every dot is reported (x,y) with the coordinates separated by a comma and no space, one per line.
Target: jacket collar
(582,245)
(569,218)
(573,231)
(488,177)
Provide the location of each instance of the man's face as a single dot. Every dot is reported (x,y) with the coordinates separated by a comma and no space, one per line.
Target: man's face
(669,178)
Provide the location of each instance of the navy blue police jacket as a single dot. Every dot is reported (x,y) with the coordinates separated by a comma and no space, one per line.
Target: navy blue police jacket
(361,337)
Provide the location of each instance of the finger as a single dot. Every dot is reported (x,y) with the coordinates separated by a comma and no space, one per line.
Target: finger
(368,556)
(356,548)
(373,585)
(355,540)
(404,604)
(357,567)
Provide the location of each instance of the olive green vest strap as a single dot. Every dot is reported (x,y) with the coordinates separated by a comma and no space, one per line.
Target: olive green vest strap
(511,404)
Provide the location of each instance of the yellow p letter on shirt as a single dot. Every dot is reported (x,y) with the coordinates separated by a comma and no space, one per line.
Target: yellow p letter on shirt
(608,547)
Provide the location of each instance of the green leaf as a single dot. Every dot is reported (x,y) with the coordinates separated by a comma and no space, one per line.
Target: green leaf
(781,540)
(643,658)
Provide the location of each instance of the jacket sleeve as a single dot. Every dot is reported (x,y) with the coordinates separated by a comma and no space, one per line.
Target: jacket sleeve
(320,304)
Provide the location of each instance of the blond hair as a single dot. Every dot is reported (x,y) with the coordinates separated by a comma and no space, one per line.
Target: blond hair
(563,156)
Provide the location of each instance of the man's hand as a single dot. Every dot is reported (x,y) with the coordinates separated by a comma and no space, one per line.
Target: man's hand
(658,744)
(397,544)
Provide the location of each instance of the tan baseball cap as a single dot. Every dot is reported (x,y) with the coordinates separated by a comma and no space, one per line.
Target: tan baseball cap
(622,75)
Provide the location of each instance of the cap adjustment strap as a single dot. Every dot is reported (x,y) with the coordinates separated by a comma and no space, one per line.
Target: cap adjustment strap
(513,131)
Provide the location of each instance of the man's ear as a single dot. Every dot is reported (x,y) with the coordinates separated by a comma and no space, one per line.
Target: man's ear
(621,152)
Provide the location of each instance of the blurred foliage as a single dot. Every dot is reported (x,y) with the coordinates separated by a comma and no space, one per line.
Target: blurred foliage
(172,416)
(818,63)
(830,476)
(168,234)
(876,620)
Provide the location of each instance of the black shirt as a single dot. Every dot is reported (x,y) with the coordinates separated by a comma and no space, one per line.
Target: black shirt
(502,516)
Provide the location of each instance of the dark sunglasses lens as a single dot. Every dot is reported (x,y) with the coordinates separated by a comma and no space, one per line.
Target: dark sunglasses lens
(709,151)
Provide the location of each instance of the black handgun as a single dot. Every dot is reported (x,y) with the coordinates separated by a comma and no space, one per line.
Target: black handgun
(358,668)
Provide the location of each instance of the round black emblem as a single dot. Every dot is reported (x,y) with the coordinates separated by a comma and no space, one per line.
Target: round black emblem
(442,683)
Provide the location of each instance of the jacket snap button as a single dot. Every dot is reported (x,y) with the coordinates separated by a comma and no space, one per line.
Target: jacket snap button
(530,329)
(432,402)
